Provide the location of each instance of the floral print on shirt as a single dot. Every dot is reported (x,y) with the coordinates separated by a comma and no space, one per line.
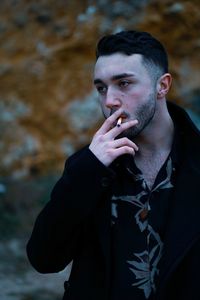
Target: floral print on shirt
(144,264)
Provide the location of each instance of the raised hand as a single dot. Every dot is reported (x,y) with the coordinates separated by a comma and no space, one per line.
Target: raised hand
(104,145)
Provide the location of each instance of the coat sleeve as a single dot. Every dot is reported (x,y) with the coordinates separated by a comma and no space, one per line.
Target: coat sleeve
(57,230)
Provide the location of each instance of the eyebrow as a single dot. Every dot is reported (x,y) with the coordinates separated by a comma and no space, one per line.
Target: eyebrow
(115,77)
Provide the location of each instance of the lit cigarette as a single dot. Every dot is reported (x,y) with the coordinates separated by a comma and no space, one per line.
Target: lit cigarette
(119,122)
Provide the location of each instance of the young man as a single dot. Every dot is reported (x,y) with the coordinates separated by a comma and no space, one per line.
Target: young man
(126,209)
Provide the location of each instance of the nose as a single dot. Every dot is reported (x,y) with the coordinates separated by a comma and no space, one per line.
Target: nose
(112,99)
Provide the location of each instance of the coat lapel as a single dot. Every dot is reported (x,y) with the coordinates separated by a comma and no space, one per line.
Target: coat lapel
(183,227)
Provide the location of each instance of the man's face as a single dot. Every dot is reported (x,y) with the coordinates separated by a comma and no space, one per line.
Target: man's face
(123,82)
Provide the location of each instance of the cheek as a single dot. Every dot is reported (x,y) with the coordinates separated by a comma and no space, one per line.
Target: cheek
(105,110)
(133,99)
(140,95)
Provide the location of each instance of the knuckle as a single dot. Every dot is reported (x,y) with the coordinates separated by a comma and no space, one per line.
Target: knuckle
(95,136)
(109,122)
(124,140)
(109,153)
(127,140)
(129,149)
(100,138)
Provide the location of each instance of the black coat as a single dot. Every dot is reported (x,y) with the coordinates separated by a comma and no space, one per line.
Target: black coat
(75,225)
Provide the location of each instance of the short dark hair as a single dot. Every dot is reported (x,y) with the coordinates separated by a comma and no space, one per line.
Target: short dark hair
(134,42)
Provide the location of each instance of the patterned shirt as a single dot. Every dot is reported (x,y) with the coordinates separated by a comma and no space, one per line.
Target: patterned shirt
(139,217)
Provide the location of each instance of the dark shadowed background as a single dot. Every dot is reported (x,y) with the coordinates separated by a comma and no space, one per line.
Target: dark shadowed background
(49,109)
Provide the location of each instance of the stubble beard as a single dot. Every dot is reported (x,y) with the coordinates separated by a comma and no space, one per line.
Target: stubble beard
(144,114)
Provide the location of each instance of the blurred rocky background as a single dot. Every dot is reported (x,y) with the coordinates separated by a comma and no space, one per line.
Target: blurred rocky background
(49,109)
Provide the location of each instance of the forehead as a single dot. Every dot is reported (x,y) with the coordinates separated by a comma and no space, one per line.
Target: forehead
(110,65)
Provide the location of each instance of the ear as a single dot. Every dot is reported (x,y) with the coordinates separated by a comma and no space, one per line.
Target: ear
(163,85)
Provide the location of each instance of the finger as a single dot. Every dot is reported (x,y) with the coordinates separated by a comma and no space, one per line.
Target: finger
(124,142)
(115,131)
(122,150)
(110,121)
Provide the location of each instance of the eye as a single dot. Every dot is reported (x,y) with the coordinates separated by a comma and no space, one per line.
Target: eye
(124,83)
(101,89)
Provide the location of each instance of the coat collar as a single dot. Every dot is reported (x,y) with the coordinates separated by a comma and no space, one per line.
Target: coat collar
(183,227)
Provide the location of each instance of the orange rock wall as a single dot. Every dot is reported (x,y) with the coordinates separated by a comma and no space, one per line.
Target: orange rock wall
(48,108)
